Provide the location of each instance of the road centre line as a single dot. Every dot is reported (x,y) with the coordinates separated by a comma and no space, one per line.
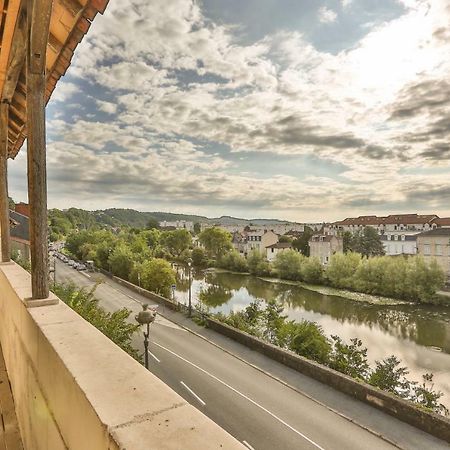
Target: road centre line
(193,393)
(244,396)
(153,356)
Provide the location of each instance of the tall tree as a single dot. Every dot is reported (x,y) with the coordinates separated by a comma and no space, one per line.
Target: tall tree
(367,242)
(177,241)
(302,243)
(216,241)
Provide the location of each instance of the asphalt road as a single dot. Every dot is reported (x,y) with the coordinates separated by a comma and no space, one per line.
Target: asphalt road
(250,404)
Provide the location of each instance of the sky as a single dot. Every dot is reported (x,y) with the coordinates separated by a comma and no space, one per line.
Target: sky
(306,110)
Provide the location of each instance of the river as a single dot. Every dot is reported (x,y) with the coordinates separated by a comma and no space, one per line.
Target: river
(419,335)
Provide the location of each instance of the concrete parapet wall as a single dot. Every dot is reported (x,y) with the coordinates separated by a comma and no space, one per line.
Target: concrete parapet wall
(75,389)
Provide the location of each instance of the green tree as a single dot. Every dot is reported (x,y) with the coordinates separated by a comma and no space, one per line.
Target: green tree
(367,242)
(156,275)
(425,395)
(216,241)
(257,264)
(310,341)
(177,241)
(391,378)
(288,265)
(198,257)
(233,261)
(312,270)
(301,243)
(121,261)
(342,268)
(197,228)
(350,359)
(152,224)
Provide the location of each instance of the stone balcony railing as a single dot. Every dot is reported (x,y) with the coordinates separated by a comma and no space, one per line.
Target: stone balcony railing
(75,389)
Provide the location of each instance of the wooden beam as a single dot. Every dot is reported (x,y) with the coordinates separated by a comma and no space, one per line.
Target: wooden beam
(16,59)
(4,203)
(38,18)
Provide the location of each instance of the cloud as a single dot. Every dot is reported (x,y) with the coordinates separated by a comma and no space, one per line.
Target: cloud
(185,97)
(107,107)
(326,15)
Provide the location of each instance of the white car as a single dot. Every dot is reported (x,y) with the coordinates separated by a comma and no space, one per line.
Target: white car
(71,262)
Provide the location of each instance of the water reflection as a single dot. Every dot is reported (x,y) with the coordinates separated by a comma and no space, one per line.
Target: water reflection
(408,331)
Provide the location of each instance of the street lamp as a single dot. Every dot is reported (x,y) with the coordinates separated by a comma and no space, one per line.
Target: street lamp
(144,319)
(139,279)
(189,263)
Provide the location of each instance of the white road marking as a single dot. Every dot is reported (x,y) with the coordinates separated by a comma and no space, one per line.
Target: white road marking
(85,274)
(243,395)
(193,393)
(153,356)
(248,445)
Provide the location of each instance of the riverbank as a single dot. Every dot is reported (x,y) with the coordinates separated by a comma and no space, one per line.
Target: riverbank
(335,292)
(441,298)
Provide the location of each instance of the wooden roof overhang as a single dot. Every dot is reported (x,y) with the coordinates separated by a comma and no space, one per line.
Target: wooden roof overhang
(70,21)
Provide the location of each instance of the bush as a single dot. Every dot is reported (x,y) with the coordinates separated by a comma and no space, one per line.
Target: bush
(199,258)
(288,265)
(233,261)
(310,341)
(257,263)
(312,271)
(342,268)
(350,359)
(156,275)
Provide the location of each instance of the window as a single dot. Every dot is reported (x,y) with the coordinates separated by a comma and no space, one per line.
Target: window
(426,249)
(438,250)
(395,238)
(403,237)
(388,237)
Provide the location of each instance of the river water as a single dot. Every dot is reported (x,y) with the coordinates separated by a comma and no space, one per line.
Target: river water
(418,335)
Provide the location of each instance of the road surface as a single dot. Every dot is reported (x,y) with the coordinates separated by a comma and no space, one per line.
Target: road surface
(259,401)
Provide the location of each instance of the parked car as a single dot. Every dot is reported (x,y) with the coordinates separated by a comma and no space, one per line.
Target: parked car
(71,262)
(81,267)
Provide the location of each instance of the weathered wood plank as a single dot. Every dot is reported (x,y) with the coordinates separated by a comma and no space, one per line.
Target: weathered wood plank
(39,13)
(4,204)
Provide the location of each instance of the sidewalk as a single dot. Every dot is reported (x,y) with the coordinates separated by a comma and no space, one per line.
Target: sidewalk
(9,429)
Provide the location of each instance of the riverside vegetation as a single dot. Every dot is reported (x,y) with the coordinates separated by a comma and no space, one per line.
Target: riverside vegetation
(308,339)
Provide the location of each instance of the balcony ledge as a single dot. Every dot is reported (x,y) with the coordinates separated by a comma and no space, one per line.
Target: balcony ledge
(74,388)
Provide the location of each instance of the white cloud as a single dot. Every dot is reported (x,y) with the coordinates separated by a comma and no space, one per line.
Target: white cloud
(107,107)
(279,95)
(326,15)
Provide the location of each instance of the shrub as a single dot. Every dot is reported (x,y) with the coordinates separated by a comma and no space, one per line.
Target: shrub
(312,271)
(288,265)
(310,341)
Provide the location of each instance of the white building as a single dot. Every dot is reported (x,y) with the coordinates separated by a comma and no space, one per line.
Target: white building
(399,244)
(177,224)
(325,246)
(273,250)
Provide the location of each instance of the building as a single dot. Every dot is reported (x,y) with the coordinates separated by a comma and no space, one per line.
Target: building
(259,239)
(177,225)
(393,224)
(324,246)
(20,234)
(435,244)
(273,250)
(443,222)
(399,244)
(239,242)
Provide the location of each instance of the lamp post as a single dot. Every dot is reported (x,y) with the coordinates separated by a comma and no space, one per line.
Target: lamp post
(139,279)
(189,263)
(144,319)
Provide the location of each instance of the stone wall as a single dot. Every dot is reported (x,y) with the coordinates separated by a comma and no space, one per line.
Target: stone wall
(73,388)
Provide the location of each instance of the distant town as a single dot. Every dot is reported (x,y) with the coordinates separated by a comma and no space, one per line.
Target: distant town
(401,234)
